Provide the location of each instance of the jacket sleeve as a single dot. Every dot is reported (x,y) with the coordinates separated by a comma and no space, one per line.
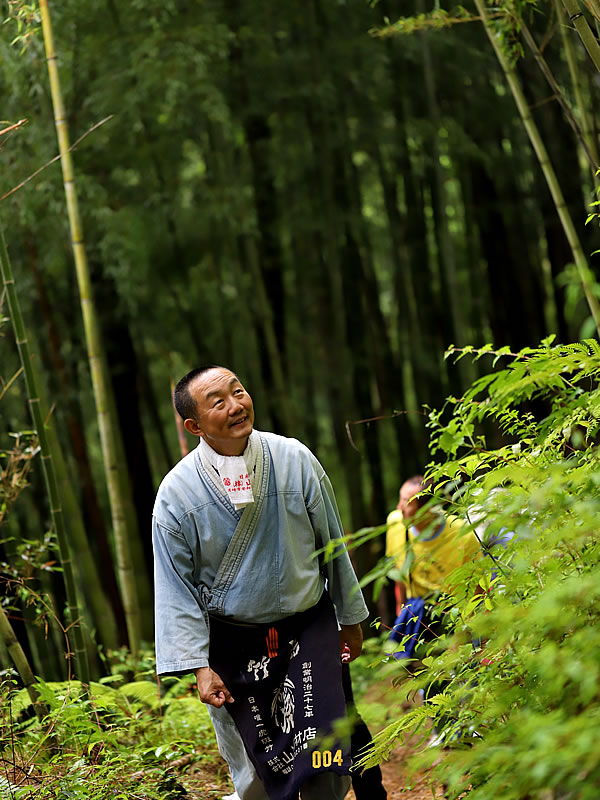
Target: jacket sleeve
(395,539)
(343,585)
(181,629)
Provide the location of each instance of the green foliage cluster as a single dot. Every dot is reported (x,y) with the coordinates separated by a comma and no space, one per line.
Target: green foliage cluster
(507,21)
(437,19)
(513,689)
(25,19)
(122,740)
(15,463)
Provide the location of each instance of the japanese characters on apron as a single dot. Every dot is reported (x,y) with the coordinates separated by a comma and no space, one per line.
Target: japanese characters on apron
(286,682)
(285,676)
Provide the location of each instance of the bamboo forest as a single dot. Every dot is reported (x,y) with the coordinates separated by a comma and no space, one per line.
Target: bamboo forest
(380,221)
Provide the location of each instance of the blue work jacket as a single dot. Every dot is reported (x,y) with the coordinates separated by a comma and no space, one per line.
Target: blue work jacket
(253,565)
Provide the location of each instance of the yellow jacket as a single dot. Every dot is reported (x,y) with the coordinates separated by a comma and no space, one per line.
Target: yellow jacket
(436,556)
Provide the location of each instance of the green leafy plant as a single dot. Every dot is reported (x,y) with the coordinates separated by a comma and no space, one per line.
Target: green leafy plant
(513,688)
(129,741)
(25,18)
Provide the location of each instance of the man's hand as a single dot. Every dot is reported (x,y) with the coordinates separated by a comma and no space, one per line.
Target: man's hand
(352,636)
(211,688)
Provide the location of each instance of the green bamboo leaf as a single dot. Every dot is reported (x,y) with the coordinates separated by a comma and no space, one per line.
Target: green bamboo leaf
(143,691)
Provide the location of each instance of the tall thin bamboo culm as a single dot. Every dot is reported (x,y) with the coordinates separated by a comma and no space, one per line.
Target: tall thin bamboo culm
(539,147)
(21,663)
(116,478)
(39,421)
(577,18)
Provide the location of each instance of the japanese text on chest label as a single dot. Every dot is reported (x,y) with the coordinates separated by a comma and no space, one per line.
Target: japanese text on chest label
(239,484)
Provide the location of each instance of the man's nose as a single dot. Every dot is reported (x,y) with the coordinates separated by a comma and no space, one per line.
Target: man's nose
(235,406)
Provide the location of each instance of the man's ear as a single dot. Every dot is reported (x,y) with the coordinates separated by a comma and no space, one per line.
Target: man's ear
(193,427)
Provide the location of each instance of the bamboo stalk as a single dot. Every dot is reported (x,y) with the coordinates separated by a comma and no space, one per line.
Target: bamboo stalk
(546,165)
(583,29)
(87,576)
(586,124)
(22,666)
(558,93)
(39,417)
(594,8)
(100,383)
(446,256)
(262,299)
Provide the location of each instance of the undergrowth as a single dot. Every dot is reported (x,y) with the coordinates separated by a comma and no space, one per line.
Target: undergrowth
(129,740)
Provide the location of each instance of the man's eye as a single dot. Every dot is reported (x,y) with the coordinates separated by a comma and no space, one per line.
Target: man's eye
(217,403)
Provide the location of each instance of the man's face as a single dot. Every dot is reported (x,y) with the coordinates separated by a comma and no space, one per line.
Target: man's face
(225,414)
(407,504)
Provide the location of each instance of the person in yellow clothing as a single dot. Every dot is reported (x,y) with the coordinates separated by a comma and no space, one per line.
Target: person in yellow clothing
(435,544)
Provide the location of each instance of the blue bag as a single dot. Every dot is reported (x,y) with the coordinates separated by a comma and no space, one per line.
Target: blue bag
(408,623)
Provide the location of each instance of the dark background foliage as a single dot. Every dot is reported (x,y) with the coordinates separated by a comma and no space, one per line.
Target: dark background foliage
(282,192)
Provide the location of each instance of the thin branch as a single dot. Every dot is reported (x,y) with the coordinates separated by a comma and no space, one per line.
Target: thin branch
(374,419)
(56,158)
(7,386)
(383,416)
(49,414)
(14,127)
(545,101)
(435,20)
(46,602)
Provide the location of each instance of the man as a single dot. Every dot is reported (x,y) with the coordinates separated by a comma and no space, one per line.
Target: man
(427,546)
(240,596)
